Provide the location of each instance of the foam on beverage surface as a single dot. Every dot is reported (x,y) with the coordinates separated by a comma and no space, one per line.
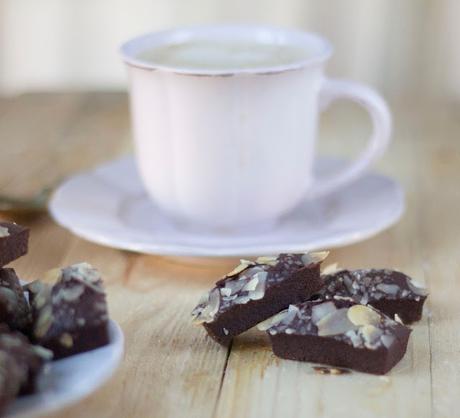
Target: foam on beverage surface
(225,55)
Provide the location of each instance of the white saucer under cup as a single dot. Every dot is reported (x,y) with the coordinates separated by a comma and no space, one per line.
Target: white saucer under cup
(109,206)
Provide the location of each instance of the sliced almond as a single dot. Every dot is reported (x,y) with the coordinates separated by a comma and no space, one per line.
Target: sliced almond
(251,284)
(355,339)
(43,352)
(213,303)
(398,319)
(417,287)
(387,340)
(241,300)
(66,340)
(274,320)
(335,323)
(235,285)
(389,289)
(371,335)
(225,291)
(339,297)
(259,290)
(207,313)
(363,315)
(271,261)
(321,310)
(44,322)
(364,300)
(331,269)
(285,317)
(244,264)
(314,257)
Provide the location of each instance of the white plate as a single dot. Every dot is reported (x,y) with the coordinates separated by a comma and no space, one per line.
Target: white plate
(109,206)
(71,379)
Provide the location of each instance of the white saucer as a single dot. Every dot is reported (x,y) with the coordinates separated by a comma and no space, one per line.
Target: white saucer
(71,379)
(109,206)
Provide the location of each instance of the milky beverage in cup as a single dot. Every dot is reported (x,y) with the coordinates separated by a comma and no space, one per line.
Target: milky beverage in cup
(225,122)
(224,55)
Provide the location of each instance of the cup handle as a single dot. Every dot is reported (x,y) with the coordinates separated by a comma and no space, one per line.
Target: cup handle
(377,143)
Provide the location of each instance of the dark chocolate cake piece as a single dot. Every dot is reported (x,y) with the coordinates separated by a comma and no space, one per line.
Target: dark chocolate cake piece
(389,291)
(28,358)
(70,316)
(14,241)
(338,333)
(254,291)
(14,309)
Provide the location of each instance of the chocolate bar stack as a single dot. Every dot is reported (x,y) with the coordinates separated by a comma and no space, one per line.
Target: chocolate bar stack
(20,360)
(44,320)
(355,319)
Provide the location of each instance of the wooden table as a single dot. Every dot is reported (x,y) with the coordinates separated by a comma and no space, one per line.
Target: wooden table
(173,369)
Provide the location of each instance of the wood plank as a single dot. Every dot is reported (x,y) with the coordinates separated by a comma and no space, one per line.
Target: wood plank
(54,135)
(28,130)
(438,202)
(99,132)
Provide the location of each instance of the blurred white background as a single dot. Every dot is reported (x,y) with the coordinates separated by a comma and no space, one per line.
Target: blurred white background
(403,47)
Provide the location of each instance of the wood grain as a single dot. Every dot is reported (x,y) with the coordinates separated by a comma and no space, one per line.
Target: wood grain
(172,369)
(49,136)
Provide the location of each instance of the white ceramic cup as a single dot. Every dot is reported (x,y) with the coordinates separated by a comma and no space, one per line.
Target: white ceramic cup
(232,149)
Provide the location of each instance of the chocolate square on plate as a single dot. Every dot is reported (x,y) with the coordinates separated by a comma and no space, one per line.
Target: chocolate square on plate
(14,241)
(70,316)
(14,309)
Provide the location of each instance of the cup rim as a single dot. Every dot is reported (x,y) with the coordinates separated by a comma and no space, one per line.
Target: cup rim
(130,49)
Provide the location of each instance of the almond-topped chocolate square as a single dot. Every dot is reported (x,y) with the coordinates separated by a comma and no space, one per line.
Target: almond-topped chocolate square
(389,291)
(70,316)
(256,290)
(338,333)
(14,242)
(14,309)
